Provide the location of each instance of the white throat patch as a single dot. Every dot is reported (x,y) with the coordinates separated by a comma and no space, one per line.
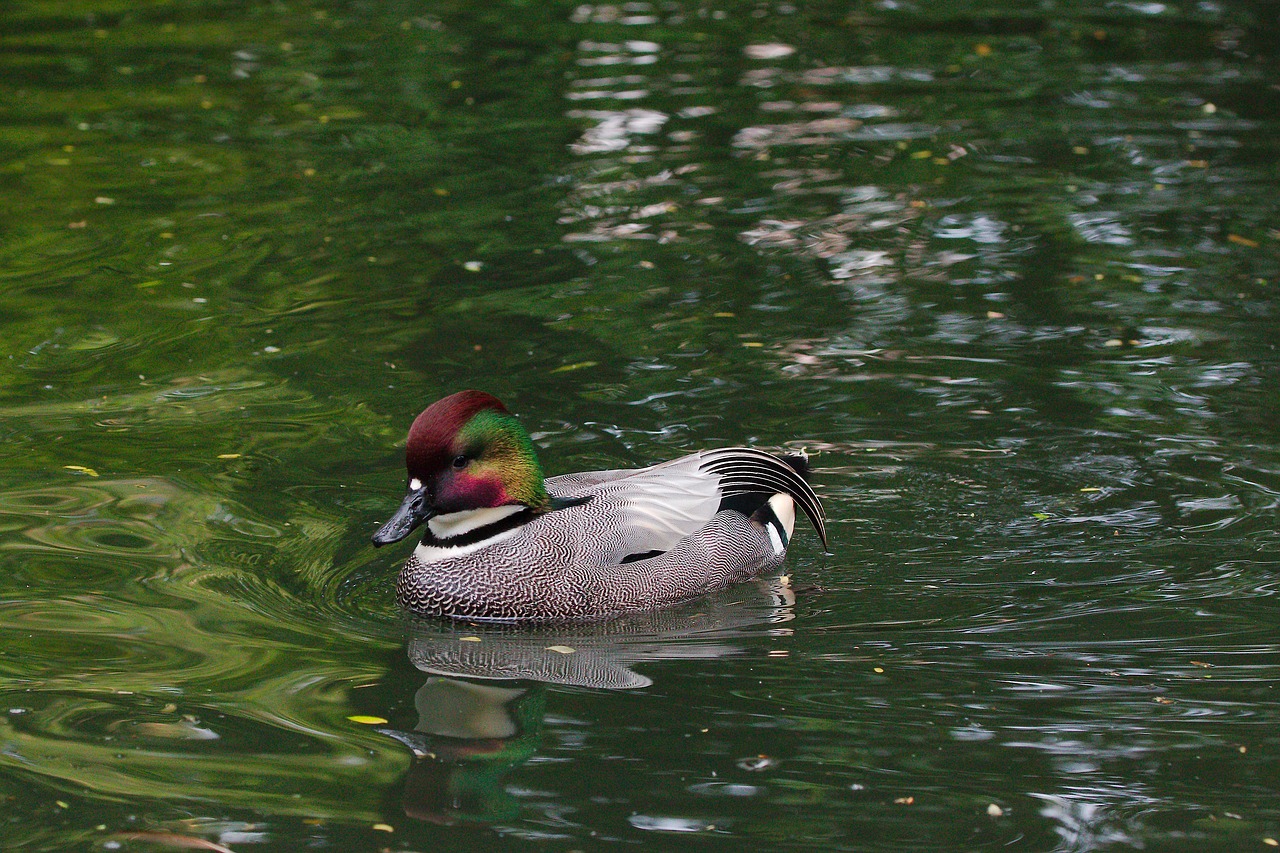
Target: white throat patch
(431,553)
(457,523)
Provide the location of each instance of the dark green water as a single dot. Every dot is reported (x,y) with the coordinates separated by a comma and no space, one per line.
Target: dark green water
(1010,269)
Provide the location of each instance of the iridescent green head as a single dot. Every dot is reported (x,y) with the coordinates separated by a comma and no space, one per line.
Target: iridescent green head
(475,454)
(466,452)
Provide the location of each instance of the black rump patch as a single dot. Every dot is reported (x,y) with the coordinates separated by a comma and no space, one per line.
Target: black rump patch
(747,503)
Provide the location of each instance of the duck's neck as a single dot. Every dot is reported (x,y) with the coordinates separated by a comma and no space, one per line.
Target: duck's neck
(509,457)
(455,524)
(474,526)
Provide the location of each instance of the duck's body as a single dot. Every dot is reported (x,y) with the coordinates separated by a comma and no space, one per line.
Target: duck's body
(500,546)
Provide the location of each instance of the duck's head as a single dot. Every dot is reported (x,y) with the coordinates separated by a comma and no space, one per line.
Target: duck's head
(465,452)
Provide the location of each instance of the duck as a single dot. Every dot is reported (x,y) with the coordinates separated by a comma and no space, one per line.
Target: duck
(503,543)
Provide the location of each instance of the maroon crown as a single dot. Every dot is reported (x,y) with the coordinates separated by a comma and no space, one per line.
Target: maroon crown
(431,437)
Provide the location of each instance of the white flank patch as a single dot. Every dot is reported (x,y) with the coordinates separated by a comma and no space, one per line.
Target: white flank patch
(458,523)
(785,509)
(431,553)
(775,540)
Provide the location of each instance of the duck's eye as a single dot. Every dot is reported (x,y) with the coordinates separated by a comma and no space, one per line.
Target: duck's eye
(460,462)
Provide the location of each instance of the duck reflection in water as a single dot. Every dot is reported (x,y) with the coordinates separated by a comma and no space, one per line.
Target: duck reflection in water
(480,711)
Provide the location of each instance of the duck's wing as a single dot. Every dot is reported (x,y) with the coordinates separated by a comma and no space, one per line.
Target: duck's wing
(654,508)
(584,482)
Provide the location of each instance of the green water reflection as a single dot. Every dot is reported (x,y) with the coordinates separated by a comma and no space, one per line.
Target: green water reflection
(1008,269)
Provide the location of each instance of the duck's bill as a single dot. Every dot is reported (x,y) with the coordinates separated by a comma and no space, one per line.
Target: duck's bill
(413,512)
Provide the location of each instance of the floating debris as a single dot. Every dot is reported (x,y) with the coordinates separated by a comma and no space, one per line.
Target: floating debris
(579,365)
(756,763)
(173,839)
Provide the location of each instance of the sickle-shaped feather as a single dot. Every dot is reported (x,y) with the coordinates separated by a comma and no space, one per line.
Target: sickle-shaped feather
(746,470)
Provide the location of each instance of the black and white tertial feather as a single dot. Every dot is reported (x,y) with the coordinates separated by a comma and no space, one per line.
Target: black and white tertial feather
(598,543)
(747,471)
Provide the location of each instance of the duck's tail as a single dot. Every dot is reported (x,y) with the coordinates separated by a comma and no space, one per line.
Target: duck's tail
(799,462)
(745,470)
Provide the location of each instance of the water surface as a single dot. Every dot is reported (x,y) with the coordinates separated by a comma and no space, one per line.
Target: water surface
(1008,270)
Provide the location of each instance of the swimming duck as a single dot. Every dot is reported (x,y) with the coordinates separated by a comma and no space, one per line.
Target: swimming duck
(502,543)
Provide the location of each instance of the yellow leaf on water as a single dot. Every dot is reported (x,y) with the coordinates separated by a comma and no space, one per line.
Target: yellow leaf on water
(81,469)
(338,113)
(228,455)
(563,650)
(384,827)
(468,639)
(576,366)
(367,719)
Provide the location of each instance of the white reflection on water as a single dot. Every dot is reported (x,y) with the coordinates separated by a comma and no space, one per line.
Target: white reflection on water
(667,823)
(616,128)
(1086,818)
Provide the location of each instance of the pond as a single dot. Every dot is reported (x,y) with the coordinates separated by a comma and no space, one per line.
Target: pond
(1007,270)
